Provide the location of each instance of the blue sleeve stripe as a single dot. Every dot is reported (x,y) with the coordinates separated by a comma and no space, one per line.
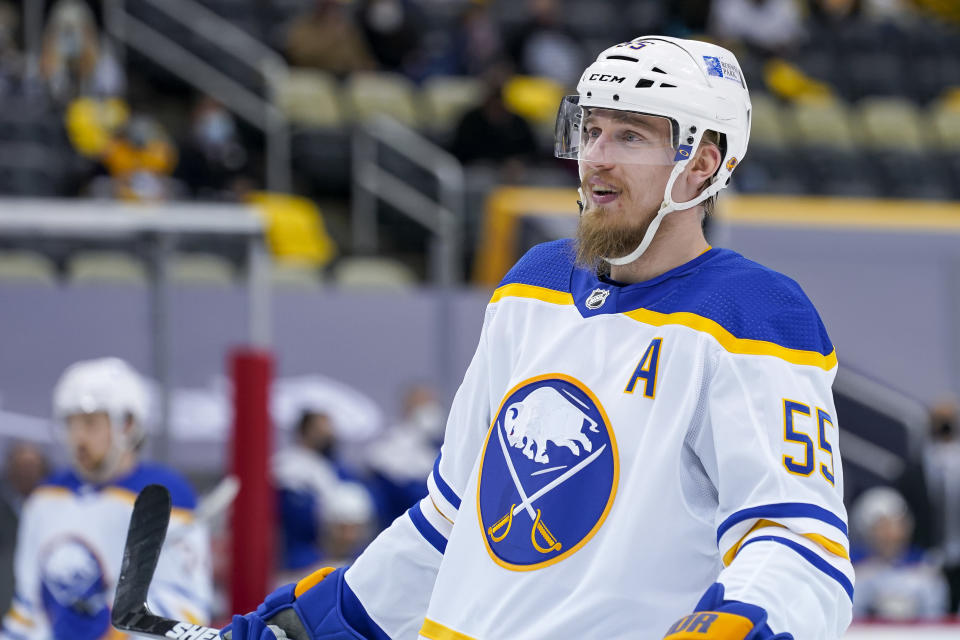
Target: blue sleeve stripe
(783,510)
(445,489)
(355,615)
(810,557)
(20,600)
(426,529)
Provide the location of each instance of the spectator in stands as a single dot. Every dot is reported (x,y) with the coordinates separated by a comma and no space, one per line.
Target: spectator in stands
(213,162)
(327,38)
(543,46)
(894,581)
(767,26)
(491,132)
(392,28)
(24,469)
(138,162)
(479,42)
(942,467)
(74,62)
(309,480)
(402,458)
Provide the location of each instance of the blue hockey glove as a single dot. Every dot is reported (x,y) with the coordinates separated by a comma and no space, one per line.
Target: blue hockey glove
(717,619)
(74,594)
(319,607)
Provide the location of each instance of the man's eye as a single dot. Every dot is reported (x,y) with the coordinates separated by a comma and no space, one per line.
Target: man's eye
(593,132)
(630,136)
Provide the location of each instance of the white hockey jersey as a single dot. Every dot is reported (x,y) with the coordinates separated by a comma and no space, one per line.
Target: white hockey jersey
(614,450)
(67,524)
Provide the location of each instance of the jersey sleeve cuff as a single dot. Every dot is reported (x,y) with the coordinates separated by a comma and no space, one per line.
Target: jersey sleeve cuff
(430,524)
(838,570)
(445,499)
(817,525)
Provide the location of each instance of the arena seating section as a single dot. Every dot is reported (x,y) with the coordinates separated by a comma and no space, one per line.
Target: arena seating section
(891,128)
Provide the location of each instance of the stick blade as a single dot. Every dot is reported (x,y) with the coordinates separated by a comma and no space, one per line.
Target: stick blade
(148,529)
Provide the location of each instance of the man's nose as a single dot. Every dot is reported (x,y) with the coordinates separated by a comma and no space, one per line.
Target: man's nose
(599,153)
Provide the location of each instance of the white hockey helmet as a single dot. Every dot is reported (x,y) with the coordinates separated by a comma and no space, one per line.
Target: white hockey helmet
(696,85)
(109,385)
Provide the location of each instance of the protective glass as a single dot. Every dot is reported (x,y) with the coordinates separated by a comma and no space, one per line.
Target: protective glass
(610,136)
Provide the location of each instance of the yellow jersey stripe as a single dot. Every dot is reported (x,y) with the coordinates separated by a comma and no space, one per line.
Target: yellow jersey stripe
(49,490)
(438,510)
(436,631)
(732,551)
(518,290)
(20,618)
(829,545)
(733,344)
(192,617)
(130,497)
(832,546)
(730,343)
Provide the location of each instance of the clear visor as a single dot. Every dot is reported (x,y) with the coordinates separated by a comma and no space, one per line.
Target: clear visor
(610,136)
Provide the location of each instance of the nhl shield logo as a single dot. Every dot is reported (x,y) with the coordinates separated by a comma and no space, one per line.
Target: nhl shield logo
(548,475)
(596,298)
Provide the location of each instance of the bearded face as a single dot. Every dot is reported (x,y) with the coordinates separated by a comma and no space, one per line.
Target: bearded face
(625,167)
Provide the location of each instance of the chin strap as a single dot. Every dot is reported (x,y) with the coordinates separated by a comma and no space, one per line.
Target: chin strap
(667,206)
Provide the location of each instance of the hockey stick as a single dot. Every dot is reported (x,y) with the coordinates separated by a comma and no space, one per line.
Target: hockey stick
(148,528)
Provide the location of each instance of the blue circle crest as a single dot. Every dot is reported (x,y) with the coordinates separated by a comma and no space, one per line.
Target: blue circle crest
(548,475)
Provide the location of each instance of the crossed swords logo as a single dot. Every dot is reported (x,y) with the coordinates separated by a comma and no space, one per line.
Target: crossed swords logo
(505,523)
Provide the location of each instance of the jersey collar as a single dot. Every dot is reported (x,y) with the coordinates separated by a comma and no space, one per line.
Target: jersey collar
(598,295)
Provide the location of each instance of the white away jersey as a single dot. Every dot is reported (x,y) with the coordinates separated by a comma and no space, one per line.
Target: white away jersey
(70,530)
(614,450)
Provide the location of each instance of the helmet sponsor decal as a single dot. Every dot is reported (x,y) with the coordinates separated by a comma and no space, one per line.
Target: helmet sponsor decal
(683,153)
(722,69)
(731,163)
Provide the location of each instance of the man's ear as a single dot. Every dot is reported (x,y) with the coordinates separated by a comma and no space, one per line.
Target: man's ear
(705,163)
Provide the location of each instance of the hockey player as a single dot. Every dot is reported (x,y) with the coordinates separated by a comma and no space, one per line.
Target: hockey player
(645,442)
(73,526)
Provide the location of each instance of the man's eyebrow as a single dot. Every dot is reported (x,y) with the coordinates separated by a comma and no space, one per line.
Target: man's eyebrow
(626,118)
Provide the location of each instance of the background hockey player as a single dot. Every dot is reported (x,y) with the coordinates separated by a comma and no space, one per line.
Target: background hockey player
(645,441)
(73,526)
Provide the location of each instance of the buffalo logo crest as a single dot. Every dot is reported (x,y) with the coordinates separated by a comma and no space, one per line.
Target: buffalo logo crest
(549,472)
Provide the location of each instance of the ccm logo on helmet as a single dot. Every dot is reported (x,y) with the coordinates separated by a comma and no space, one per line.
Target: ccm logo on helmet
(606,77)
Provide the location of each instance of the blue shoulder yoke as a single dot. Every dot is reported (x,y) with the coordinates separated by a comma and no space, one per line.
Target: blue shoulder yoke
(747,299)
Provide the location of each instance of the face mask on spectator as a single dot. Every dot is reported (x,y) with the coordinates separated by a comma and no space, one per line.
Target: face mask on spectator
(215,128)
